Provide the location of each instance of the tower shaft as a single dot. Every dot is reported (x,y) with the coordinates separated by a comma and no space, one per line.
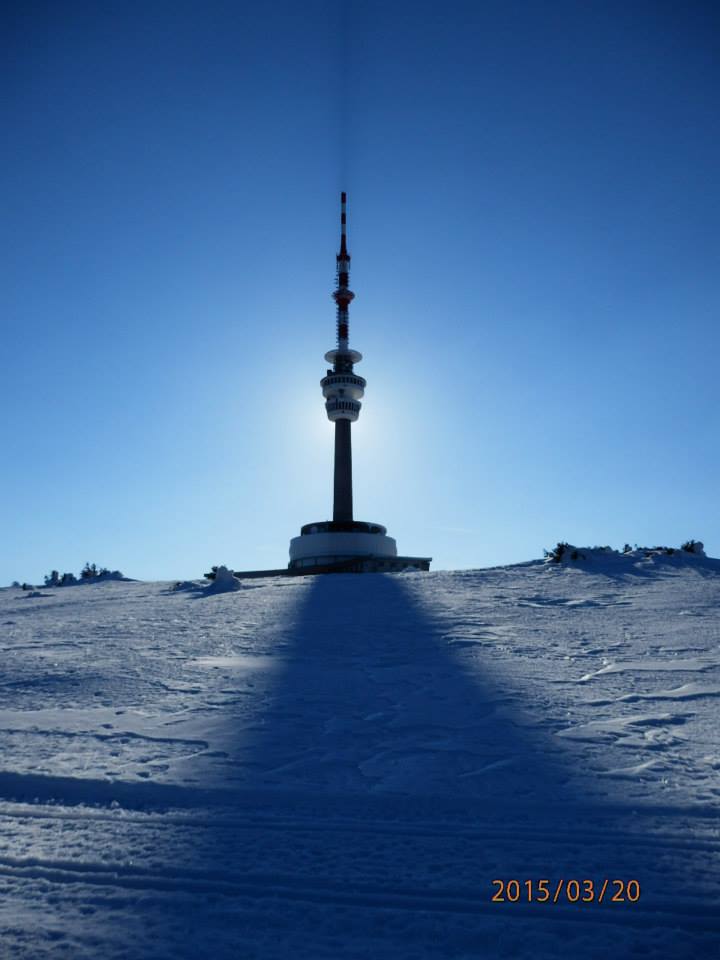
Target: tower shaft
(343,499)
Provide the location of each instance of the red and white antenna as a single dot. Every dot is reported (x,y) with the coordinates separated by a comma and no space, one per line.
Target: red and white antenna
(342,388)
(343,295)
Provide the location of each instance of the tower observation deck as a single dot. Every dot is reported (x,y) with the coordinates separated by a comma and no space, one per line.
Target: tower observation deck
(344,543)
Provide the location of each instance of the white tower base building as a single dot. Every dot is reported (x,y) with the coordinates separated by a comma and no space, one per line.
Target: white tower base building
(319,544)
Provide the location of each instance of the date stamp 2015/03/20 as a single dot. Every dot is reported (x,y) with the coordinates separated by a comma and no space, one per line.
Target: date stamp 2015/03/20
(566,891)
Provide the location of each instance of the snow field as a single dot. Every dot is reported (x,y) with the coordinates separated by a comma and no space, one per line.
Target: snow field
(339,766)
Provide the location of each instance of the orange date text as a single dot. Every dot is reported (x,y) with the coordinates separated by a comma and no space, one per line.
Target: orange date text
(566,891)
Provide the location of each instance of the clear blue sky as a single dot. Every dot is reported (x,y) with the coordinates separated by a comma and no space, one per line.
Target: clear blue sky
(533,219)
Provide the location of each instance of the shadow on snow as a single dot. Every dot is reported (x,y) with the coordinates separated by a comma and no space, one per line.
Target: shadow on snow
(381,788)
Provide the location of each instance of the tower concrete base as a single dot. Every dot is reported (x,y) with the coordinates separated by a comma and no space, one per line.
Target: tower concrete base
(329,542)
(351,546)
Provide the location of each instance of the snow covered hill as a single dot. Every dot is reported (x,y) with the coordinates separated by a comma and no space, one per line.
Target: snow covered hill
(341,766)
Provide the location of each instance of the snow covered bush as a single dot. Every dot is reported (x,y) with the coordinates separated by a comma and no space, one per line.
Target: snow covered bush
(55,579)
(556,554)
(223,582)
(88,574)
(694,546)
(91,572)
(563,551)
